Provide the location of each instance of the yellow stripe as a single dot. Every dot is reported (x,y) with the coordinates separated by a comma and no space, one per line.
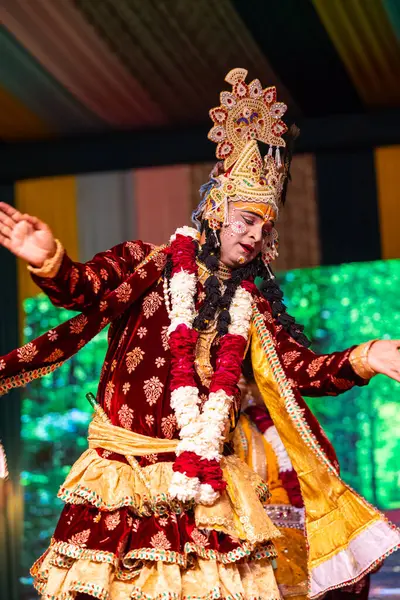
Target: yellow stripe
(53,200)
(18,121)
(387,162)
(367,44)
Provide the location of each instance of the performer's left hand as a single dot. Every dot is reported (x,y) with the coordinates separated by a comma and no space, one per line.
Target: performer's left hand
(384,357)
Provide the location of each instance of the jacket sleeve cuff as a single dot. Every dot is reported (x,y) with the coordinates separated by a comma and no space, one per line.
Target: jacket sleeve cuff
(52,265)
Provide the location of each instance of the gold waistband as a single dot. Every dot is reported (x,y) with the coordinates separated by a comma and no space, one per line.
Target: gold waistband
(125,442)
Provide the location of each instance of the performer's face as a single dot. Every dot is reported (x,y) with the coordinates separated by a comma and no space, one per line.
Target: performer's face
(242,237)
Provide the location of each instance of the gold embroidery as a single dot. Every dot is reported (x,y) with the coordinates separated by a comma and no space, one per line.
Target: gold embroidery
(27,352)
(110,387)
(78,324)
(133,358)
(168,426)
(160,540)
(125,416)
(123,292)
(152,389)
(151,303)
(112,520)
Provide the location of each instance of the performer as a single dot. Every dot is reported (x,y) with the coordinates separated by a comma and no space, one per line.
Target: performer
(257,442)
(159,506)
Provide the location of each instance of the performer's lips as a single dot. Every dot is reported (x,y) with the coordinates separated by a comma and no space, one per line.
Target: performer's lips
(246,248)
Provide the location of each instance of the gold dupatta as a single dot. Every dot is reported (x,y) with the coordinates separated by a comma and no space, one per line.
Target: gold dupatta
(347,537)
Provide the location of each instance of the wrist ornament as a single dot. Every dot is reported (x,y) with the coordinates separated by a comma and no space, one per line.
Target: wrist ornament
(51,265)
(359,360)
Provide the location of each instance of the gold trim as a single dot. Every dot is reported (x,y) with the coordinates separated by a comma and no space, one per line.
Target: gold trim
(359,360)
(52,265)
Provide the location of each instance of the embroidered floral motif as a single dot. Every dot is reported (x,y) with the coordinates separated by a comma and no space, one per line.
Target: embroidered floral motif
(103,369)
(315,365)
(93,278)
(142,273)
(27,352)
(126,387)
(133,358)
(104,274)
(168,426)
(164,337)
(151,303)
(199,538)
(78,324)
(149,420)
(80,538)
(289,357)
(52,335)
(135,525)
(110,387)
(299,365)
(151,458)
(2,364)
(201,297)
(135,250)
(159,540)
(55,355)
(103,305)
(113,365)
(105,321)
(125,416)
(159,260)
(152,390)
(163,521)
(160,362)
(81,343)
(97,518)
(112,520)
(123,292)
(142,332)
(114,265)
(73,279)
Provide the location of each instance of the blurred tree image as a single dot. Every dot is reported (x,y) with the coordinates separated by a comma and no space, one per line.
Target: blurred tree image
(339,306)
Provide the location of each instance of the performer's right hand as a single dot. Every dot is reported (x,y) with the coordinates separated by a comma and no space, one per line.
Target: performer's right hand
(25,236)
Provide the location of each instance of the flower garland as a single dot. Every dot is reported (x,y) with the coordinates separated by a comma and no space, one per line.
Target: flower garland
(197,472)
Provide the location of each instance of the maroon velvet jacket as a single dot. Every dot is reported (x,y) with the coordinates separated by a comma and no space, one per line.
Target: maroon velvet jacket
(134,384)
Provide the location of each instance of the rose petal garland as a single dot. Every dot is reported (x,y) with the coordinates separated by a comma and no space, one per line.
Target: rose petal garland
(197,472)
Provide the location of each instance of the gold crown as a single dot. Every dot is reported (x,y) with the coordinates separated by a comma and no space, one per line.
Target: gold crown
(246,115)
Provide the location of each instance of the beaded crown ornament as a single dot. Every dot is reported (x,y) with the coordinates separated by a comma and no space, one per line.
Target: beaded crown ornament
(246,115)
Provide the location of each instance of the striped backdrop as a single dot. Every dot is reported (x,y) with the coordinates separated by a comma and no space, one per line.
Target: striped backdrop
(340,208)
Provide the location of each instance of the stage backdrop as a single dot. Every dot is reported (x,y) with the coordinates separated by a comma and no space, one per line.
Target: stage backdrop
(339,306)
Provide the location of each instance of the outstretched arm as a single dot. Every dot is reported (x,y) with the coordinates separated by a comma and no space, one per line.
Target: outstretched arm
(332,374)
(69,284)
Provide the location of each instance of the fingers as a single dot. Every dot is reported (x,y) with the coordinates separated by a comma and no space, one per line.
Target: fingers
(35,222)
(5,241)
(10,211)
(5,230)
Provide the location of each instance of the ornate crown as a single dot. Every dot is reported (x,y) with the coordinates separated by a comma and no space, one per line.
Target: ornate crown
(246,115)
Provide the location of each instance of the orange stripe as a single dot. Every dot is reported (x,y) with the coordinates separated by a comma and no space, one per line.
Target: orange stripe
(367,44)
(53,200)
(387,161)
(17,121)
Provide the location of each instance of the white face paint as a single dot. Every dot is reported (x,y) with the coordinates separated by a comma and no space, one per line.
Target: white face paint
(242,238)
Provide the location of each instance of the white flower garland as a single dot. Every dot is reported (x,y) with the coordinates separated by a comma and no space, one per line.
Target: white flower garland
(204,433)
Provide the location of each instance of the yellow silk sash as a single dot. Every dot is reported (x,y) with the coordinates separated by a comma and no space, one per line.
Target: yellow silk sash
(346,536)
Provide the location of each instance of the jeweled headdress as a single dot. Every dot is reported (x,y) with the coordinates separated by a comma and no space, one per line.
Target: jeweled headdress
(246,115)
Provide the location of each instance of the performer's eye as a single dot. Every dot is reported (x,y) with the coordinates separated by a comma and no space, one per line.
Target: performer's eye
(248,221)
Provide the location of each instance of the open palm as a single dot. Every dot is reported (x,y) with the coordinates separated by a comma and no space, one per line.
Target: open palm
(25,236)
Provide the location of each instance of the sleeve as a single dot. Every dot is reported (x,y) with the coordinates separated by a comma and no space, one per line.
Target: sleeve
(316,374)
(312,374)
(76,285)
